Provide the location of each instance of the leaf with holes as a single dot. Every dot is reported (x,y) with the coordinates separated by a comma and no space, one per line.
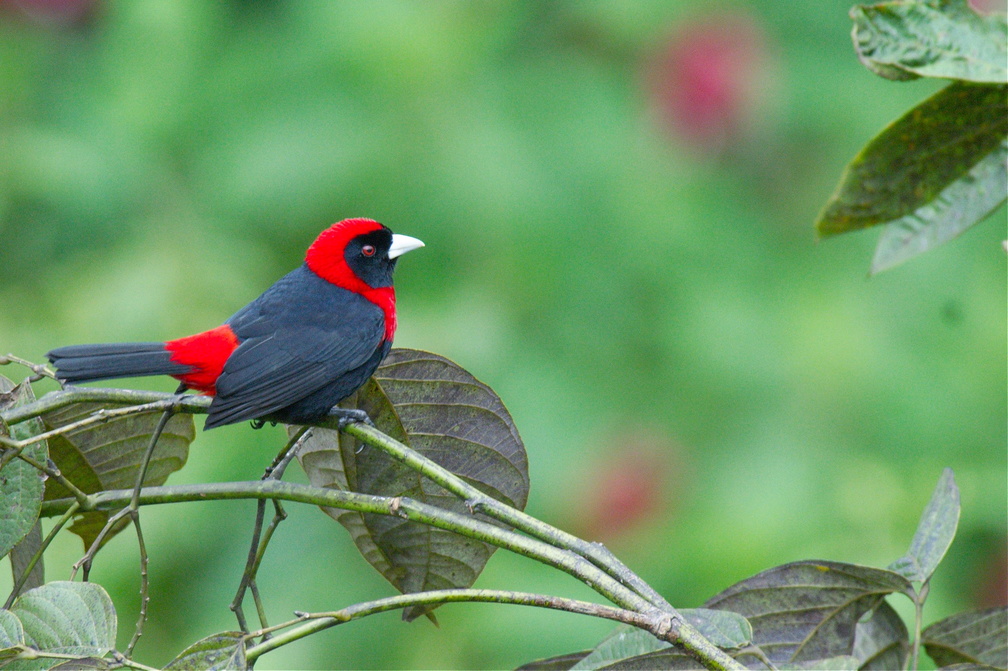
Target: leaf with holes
(808,610)
(977,637)
(108,455)
(67,618)
(443,412)
(20,483)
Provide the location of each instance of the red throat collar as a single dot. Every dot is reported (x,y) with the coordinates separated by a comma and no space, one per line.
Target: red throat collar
(326,259)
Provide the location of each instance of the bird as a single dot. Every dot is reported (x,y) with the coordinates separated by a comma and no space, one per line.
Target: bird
(292,354)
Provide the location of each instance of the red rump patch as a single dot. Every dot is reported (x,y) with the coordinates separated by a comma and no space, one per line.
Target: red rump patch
(206,354)
(325,259)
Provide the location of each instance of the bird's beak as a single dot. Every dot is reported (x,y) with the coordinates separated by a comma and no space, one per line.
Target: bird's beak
(402,244)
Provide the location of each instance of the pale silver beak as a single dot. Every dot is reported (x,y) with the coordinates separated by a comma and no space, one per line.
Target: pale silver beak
(402,244)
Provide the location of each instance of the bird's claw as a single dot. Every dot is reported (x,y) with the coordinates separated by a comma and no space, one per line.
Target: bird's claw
(346,416)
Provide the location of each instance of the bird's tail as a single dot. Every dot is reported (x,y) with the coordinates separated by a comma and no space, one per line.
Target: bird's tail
(78,363)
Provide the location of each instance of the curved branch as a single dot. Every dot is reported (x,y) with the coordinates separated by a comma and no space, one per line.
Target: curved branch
(315,622)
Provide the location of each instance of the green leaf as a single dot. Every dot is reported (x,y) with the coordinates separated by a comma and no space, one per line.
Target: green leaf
(443,412)
(629,647)
(68,618)
(934,172)
(935,531)
(976,637)
(808,610)
(558,663)
(904,40)
(723,628)
(623,643)
(965,203)
(219,652)
(11,631)
(22,553)
(881,640)
(21,485)
(108,455)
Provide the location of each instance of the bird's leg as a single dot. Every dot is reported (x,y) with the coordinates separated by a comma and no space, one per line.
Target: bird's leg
(350,416)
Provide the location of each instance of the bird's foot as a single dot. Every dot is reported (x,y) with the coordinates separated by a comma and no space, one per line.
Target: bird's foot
(350,416)
(260,423)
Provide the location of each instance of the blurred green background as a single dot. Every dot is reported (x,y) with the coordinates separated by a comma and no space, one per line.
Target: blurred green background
(617,200)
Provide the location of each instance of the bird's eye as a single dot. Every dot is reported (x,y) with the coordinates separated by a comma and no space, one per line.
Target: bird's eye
(367,250)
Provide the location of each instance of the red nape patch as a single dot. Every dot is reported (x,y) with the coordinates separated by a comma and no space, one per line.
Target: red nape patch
(206,353)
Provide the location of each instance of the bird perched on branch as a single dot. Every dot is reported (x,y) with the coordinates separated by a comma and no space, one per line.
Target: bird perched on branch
(292,354)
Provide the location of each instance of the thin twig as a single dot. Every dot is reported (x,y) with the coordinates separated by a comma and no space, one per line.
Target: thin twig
(39,371)
(54,400)
(99,416)
(67,516)
(918,600)
(653,621)
(53,472)
(257,549)
(144,587)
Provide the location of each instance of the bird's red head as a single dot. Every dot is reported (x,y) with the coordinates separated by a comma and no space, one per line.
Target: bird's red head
(360,255)
(327,255)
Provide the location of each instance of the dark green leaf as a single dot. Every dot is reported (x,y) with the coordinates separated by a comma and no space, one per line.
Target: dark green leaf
(808,610)
(220,652)
(108,455)
(21,486)
(558,663)
(965,203)
(976,637)
(22,554)
(904,40)
(933,173)
(934,534)
(440,410)
(881,641)
(68,618)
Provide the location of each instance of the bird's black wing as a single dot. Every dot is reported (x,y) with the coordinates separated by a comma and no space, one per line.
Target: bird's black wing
(300,335)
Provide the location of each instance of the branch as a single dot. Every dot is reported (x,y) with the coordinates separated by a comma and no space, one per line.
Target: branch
(679,631)
(382,505)
(590,563)
(480,502)
(654,622)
